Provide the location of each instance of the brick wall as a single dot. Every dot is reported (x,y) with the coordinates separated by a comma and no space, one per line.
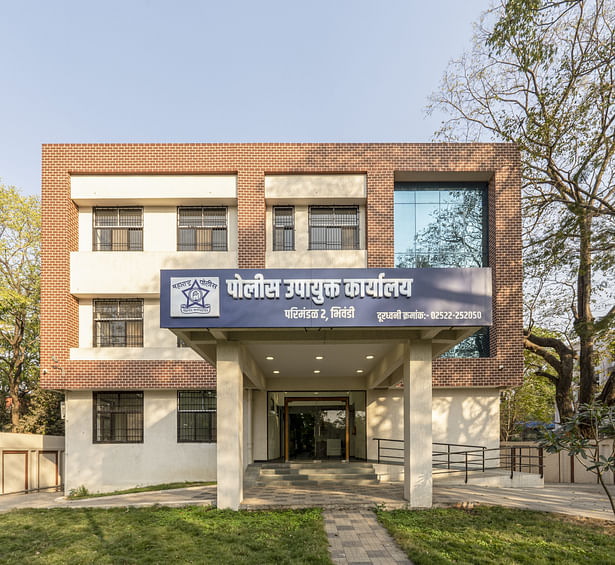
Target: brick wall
(251,162)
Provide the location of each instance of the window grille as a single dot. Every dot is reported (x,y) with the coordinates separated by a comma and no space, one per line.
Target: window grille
(118,323)
(196,416)
(283,228)
(201,229)
(118,417)
(118,229)
(334,227)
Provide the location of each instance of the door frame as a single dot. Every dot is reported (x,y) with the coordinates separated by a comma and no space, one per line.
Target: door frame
(288,399)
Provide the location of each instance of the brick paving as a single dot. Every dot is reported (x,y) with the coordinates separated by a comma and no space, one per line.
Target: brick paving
(334,495)
(356,538)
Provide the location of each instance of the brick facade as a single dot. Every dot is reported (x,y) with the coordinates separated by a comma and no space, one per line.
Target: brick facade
(251,162)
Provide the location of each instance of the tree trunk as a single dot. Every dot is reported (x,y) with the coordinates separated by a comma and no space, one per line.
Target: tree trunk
(15,408)
(584,323)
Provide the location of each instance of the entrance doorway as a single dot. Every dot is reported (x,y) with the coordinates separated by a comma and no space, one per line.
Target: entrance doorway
(316,428)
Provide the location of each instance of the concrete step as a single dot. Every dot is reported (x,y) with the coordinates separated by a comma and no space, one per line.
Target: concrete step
(319,477)
(319,482)
(317,471)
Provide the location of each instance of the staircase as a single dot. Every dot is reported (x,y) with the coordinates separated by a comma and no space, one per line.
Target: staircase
(310,473)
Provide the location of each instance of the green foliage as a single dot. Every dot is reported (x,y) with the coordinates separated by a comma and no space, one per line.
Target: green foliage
(580,437)
(79,492)
(163,535)
(498,535)
(42,413)
(20,229)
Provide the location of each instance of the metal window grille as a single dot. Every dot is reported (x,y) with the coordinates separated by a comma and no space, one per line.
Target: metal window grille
(201,228)
(118,417)
(118,229)
(196,416)
(118,323)
(283,228)
(334,227)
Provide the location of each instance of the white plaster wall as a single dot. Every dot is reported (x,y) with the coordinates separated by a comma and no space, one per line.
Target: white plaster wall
(159,459)
(286,188)
(103,189)
(259,424)
(158,343)
(304,258)
(468,416)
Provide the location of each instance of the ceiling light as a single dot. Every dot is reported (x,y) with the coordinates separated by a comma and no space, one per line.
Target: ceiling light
(316,371)
(270,357)
(319,357)
(369,357)
(276,372)
(359,370)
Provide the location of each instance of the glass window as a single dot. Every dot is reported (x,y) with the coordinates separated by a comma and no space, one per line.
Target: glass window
(118,323)
(201,228)
(196,416)
(283,228)
(334,227)
(440,225)
(118,417)
(118,229)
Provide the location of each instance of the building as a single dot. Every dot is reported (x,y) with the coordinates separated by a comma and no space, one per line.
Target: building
(154,374)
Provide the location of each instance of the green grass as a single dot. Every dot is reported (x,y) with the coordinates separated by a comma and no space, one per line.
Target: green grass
(162,535)
(498,535)
(82,492)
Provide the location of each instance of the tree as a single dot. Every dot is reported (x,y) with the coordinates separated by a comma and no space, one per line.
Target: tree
(20,228)
(541,75)
(534,400)
(580,437)
(42,414)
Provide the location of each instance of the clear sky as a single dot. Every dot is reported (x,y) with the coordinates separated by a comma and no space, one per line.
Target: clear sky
(224,71)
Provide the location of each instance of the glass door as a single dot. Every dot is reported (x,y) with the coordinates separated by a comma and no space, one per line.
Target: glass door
(316,429)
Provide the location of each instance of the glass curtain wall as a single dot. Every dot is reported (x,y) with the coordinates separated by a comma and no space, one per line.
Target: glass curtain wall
(444,225)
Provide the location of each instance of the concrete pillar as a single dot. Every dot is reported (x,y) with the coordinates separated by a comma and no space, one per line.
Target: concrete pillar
(229,386)
(417,424)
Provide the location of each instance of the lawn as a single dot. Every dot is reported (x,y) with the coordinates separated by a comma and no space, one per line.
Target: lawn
(498,535)
(162,535)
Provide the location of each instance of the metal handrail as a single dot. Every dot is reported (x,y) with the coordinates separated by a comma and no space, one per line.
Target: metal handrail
(474,459)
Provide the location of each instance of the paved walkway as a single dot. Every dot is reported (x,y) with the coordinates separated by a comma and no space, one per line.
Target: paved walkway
(356,537)
(576,500)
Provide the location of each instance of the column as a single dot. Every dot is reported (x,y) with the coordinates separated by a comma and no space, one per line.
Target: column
(229,390)
(417,424)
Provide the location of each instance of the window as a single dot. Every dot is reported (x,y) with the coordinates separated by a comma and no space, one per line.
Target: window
(118,323)
(334,227)
(201,229)
(441,225)
(118,417)
(118,229)
(196,416)
(283,228)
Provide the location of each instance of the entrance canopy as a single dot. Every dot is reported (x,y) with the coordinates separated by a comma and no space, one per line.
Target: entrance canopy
(324,323)
(366,328)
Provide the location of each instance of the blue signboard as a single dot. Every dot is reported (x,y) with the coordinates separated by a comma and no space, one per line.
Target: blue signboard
(324,298)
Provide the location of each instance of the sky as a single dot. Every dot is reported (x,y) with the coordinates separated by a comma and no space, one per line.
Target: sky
(224,71)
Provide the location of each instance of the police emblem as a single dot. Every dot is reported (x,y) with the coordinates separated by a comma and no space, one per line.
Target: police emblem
(198,297)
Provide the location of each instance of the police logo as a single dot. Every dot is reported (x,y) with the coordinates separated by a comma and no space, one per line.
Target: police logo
(198,297)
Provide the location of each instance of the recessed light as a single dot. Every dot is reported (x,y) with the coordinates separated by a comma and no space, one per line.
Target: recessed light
(369,357)
(316,371)
(270,357)
(276,372)
(319,357)
(359,370)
